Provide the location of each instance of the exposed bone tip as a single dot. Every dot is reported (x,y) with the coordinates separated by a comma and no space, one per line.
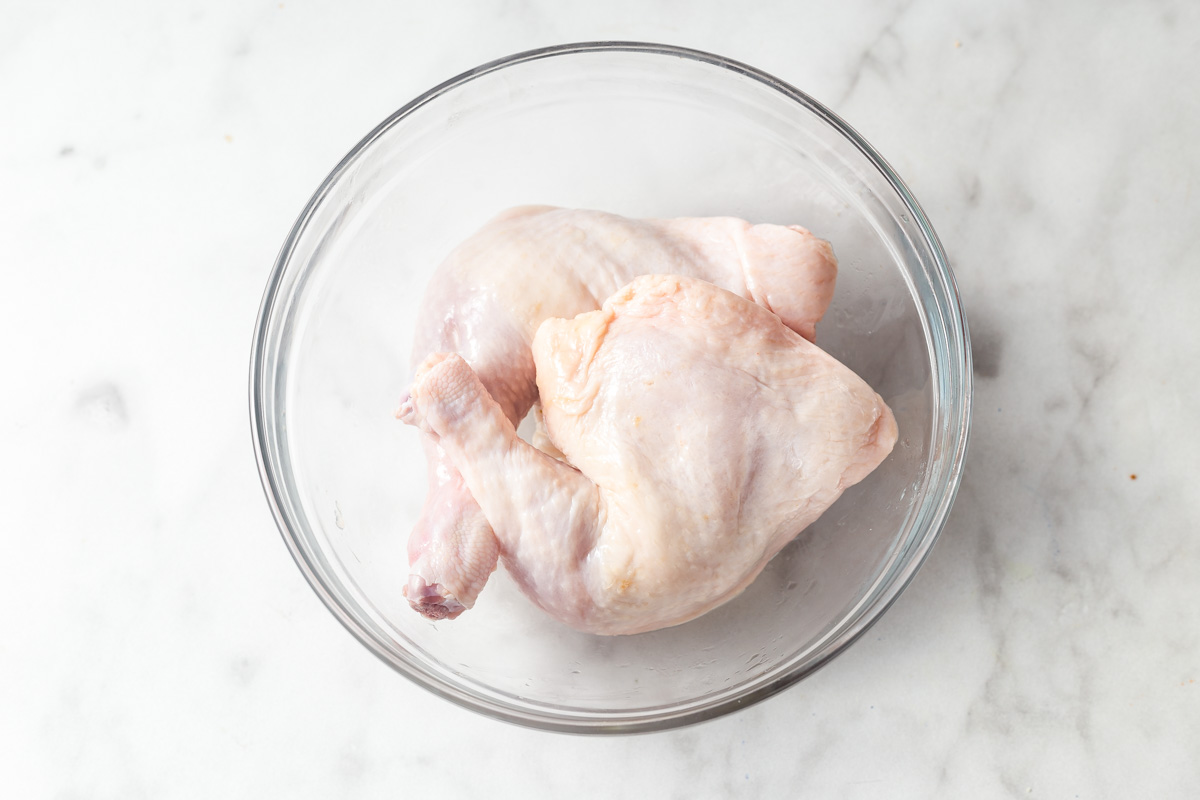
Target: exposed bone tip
(431,601)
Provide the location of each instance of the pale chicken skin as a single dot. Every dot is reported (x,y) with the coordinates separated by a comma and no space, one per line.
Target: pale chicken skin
(702,436)
(488,298)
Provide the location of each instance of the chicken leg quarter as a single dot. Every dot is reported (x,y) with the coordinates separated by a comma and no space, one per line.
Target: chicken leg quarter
(531,263)
(705,433)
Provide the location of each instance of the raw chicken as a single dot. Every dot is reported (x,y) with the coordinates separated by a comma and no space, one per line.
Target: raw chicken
(531,263)
(703,434)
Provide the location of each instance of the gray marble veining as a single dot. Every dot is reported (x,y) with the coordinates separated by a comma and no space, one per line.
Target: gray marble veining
(156,639)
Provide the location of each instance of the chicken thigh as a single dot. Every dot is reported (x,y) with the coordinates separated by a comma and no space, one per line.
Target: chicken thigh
(531,263)
(701,433)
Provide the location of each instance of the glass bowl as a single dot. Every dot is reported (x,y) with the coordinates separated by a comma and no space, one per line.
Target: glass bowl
(644,131)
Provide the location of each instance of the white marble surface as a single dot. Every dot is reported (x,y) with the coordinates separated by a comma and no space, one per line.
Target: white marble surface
(156,640)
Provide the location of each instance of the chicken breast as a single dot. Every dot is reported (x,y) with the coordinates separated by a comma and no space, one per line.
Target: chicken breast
(487,300)
(702,435)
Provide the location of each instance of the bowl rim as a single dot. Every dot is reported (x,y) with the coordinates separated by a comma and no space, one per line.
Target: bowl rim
(661,717)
